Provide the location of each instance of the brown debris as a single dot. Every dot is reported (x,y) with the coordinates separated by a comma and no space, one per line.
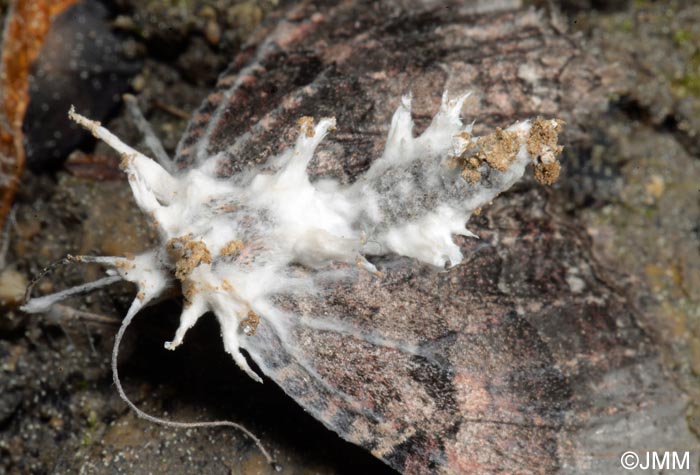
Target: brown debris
(499,149)
(306,124)
(543,136)
(187,254)
(471,175)
(542,145)
(250,323)
(467,161)
(547,173)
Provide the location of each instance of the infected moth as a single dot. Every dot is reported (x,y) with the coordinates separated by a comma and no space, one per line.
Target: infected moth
(231,244)
(256,248)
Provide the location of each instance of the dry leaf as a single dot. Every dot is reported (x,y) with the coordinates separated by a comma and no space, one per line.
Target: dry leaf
(28,22)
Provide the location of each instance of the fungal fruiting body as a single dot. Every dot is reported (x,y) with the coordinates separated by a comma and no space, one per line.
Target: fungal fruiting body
(231,243)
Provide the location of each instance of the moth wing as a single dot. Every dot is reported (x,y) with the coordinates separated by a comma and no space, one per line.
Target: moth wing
(416,369)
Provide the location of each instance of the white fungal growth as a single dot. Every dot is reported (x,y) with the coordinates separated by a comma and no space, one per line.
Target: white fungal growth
(231,243)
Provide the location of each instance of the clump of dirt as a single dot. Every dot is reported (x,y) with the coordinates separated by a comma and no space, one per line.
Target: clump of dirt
(187,253)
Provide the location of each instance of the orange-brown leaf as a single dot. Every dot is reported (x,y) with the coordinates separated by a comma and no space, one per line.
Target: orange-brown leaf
(28,22)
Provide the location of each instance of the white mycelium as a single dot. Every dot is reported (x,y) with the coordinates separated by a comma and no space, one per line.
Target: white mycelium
(231,243)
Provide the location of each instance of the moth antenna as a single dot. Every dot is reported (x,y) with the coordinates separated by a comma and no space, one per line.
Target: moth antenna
(133,310)
(149,136)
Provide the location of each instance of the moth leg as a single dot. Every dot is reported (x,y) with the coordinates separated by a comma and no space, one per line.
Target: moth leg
(230,331)
(151,184)
(42,304)
(194,309)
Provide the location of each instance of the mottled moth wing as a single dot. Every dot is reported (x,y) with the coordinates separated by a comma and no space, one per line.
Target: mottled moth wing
(523,359)
(496,366)
(420,370)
